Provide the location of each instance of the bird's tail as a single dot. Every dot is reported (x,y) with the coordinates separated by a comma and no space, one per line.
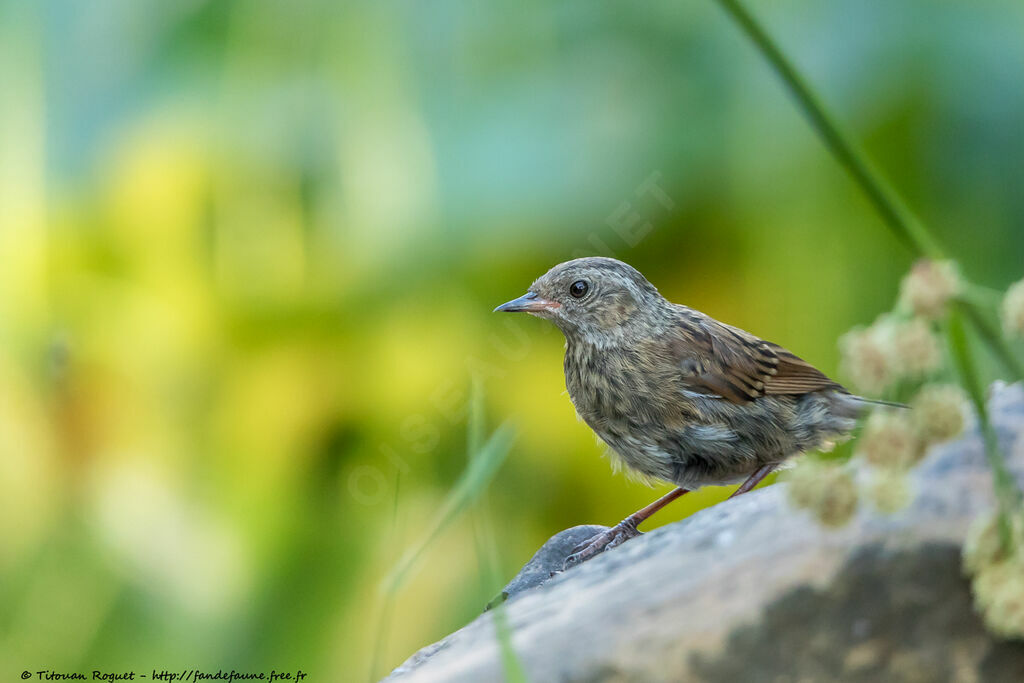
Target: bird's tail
(877,402)
(851,406)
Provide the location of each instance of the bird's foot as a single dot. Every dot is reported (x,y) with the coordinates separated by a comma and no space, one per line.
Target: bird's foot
(617,535)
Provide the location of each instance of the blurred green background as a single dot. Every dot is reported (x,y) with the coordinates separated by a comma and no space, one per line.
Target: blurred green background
(249,252)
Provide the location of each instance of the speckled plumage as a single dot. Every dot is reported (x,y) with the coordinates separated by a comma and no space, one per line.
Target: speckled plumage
(677,395)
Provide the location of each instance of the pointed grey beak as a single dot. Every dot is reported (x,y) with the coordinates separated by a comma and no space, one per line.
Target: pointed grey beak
(527,303)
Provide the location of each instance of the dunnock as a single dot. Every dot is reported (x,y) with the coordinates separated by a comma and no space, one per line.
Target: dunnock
(677,395)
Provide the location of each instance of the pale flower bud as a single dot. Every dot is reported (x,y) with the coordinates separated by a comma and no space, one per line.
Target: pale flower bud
(1013,310)
(865,360)
(889,491)
(939,412)
(999,596)
(983,545)
(915,349)
(826,489)
(998,573)
(890,349)
(890,440)
(929,286)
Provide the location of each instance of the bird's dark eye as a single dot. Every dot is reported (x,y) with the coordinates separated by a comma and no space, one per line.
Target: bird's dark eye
(579,288)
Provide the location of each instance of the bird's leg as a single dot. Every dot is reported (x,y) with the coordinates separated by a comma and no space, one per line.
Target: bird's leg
(627,528)
(753,480)
(620,533)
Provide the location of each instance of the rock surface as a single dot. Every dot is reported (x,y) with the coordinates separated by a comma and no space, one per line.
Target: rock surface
(550,558)
(752,590)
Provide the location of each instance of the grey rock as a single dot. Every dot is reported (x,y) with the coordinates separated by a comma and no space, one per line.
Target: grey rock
(752,590)
(550,558)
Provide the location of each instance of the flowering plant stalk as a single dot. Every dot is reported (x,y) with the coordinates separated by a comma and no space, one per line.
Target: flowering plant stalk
(900,353)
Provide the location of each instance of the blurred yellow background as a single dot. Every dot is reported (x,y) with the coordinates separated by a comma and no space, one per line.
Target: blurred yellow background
(249,252)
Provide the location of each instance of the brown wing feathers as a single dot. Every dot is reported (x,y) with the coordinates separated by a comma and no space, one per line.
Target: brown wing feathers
(738,366)
(795,375)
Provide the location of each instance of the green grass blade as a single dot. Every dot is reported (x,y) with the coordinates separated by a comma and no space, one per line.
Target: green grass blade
(510,664)
(1007,493)
(387,602)
(994,340)
(476,418)
(477,475)
(903,223)
(890,206)
(487,548)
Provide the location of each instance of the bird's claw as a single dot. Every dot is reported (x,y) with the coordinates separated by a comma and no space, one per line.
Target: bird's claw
(606,540)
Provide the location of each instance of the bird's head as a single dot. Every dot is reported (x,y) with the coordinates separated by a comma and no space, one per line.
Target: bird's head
(594,298)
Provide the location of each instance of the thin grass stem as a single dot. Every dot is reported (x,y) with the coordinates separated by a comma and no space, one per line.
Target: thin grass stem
(510,664)
(387,601)
(993,339)
(907,228)
(1007,493)
(478,473)
(894,212)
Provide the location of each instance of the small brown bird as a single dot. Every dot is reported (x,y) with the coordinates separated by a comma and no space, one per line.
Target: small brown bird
(677,395)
